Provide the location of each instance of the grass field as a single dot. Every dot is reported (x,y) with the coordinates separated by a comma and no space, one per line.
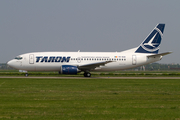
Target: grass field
(89,99)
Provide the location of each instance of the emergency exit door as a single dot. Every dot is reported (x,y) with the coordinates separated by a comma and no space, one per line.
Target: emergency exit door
(31,59)
(134,60)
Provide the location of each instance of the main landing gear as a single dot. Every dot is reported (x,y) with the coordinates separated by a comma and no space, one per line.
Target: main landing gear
(87,74)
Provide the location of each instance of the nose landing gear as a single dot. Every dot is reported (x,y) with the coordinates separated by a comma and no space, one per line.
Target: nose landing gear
(26,74)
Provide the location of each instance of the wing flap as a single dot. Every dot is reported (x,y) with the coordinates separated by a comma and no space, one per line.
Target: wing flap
(92,65)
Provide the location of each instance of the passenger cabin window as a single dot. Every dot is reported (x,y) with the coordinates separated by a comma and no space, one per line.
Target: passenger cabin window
(18,58)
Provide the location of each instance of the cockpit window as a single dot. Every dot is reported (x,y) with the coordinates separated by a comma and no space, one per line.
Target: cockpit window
(18,58)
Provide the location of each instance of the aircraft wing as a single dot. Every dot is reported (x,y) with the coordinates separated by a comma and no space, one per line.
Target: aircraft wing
(161,54)
(92,65)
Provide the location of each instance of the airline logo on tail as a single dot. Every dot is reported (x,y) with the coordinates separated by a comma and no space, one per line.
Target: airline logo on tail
(152,43)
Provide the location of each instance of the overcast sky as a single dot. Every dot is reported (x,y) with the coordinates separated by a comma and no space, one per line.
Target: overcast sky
(86,25)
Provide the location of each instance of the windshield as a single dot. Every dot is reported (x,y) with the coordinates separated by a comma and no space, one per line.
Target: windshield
(18,58)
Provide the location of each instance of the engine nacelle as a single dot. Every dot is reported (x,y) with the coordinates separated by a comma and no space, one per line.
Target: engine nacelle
(68,69)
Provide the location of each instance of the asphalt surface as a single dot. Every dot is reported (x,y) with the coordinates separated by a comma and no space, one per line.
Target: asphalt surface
(92,77)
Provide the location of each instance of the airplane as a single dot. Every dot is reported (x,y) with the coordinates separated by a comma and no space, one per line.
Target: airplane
(75,62)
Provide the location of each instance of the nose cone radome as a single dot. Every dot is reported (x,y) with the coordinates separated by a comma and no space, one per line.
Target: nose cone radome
(12,64)
(9,63)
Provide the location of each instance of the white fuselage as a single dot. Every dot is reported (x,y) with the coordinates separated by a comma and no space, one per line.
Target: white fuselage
(52,61)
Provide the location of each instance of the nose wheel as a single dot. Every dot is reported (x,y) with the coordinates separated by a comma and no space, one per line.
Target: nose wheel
(26,74)
(87,74)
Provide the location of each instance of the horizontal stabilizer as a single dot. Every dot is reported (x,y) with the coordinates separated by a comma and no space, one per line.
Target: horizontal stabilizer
(161,54)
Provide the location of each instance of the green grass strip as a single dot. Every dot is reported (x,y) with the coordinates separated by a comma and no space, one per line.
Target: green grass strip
(87,99)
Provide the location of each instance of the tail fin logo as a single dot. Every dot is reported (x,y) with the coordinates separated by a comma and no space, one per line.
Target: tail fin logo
(152,43)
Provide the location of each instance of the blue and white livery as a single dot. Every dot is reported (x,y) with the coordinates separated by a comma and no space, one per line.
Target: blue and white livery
(152,43)
(74,62)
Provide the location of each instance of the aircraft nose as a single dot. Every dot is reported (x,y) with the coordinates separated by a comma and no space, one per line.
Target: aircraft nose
(12,64)
(9,63)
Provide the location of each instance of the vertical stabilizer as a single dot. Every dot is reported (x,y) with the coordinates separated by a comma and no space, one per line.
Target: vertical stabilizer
(152,42)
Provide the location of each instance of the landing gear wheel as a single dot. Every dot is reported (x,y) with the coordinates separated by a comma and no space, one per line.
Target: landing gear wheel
(87,74)
(26,74)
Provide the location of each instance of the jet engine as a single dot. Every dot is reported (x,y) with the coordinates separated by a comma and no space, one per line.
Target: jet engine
(68,69)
